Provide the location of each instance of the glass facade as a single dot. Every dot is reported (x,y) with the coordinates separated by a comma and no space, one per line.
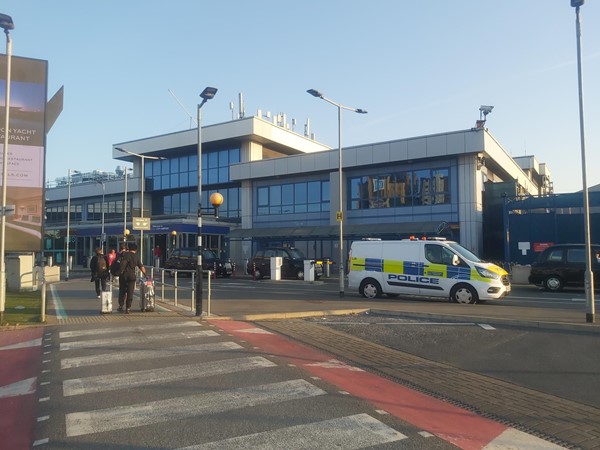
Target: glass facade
(398,189)
(177,175)
(290,198)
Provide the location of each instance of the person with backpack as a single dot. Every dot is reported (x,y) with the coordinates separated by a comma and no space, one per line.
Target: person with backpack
(99,271)
(129,262)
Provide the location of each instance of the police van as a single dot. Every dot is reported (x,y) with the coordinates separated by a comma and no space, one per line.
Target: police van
(432,267)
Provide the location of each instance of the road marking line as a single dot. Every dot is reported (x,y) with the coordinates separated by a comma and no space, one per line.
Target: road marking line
(153,337)
(23,387)
(41,442)
(26,344)
(44,399)
(97,331)
(59,310)
(512,438)
(136,355)
(335,364)
(486,326)
(254,331)
(102,383)
(352,432)
(149,413)
(43,418)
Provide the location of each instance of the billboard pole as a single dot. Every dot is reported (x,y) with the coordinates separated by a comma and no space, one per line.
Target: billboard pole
(6,23)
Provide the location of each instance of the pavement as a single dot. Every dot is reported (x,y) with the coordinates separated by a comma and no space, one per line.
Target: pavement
(563,422)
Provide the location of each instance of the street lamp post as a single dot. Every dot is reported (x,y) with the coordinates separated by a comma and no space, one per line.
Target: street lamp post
(207,94)
(7,24)
(67,243)
(102,235)
(340,212)
(589,277)
(125,209)
(143,158)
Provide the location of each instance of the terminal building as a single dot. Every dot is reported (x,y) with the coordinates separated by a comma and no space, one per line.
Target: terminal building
(280,188)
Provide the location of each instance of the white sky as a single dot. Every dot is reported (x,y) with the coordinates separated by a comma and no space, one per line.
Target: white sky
(417,67)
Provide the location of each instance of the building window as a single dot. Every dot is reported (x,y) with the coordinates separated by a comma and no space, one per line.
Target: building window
(398,189)
(289,198)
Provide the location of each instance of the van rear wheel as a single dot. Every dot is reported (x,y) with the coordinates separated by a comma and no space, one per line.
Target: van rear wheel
(370,288)
(464,293)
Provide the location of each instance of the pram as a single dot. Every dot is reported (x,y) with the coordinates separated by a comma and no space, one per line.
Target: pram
(146,294)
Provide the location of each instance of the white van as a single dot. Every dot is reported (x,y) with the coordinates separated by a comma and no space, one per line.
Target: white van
(431,268)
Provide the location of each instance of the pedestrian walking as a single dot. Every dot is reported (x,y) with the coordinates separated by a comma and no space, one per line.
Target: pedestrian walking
(99,271)
(130,261)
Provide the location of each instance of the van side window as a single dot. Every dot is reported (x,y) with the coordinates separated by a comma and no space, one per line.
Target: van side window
(448,256)
(576,255)
(269,253)
(433,253)
(555,255)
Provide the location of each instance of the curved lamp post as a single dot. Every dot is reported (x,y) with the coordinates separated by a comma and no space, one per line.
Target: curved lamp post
(207,94)
(143,158)
(340,212)
(589,276)
(7,24)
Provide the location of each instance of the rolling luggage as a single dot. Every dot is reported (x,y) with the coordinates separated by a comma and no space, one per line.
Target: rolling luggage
(146,295)
(106,298)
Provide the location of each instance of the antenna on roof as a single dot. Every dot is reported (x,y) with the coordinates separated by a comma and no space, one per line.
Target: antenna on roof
(183,107)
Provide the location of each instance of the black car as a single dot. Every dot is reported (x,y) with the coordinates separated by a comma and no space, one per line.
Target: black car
(564,265)
(187,259)
(292,263)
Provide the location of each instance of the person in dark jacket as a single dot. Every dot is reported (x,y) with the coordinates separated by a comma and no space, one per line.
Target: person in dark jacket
(99,271)
(127,274)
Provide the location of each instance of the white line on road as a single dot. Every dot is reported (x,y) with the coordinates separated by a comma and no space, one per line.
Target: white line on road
(136,355)
(352,432)
(119,341)
(149,413)
(25,344)
(102,383)
(23,387)
(97,331)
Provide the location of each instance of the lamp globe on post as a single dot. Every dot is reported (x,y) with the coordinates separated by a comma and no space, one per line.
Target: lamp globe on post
(216,200)
(173,240)
(207,94)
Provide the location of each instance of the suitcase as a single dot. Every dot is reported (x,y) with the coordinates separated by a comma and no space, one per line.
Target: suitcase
(147,295)
(106,298)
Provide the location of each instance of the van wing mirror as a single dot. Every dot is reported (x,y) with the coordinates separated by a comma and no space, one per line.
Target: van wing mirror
(455,260)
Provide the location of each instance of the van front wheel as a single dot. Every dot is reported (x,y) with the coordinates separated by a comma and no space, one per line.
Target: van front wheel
(463,293)
(370,289)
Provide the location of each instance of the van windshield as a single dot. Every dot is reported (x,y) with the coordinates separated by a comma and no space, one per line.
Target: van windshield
(466,254)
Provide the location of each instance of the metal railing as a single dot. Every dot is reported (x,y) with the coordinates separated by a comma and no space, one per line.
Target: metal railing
(172,292)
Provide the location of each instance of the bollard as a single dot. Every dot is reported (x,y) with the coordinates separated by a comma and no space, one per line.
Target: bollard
(233,270)
(254,271)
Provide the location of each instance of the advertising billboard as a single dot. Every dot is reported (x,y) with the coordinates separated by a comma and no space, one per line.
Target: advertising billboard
(26,151)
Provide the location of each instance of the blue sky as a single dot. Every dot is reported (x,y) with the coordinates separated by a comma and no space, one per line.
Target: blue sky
(417,67)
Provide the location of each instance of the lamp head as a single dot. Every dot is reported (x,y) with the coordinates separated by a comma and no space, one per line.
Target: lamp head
(577,3)
(6,22)
(315,93)
(208,93)
(361,111)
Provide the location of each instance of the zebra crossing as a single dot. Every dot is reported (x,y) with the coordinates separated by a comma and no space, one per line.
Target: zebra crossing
(189,385)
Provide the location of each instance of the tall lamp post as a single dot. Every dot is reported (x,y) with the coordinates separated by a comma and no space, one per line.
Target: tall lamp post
(68,242)
(125,209)
(207,94)
(7,24)
(102,235)
(340,212)
(143,158)
(589,277)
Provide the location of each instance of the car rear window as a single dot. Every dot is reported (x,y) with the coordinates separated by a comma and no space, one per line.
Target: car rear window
(555,255)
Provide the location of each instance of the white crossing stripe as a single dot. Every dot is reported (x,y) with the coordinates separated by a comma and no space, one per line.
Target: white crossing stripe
(130,380)
(26,344)
(151,337)
(97,331)
(486,326)
(149,413)
(137,355)
(352,432)
(23,387)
